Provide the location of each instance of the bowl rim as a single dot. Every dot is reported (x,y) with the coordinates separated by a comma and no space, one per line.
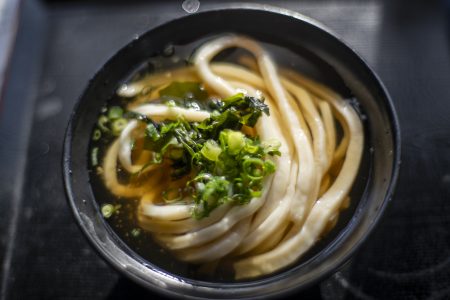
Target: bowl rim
(232,289)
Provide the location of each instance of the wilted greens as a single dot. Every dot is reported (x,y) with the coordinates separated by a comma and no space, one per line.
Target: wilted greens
(223,164)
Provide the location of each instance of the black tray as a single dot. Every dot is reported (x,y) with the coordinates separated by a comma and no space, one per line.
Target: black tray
(58,48)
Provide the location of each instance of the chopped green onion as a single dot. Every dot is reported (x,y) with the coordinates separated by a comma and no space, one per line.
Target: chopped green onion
(107,210)
(251,148)
(255,194)
(115,112)
(118,125)
(211,150)
(272,147)
(252,167)
(269,167)
(235,140)
(214,193)
(96,135)
(94,156)
(135,232)
(102,123)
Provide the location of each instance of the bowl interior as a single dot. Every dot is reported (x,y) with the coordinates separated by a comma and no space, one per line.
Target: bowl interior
(303,45)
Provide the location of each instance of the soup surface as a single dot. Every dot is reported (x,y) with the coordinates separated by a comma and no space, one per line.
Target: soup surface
(228,162)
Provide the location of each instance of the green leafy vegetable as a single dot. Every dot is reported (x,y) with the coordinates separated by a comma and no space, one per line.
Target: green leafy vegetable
(224,165)
(219,162)
(152,132)
(233,113)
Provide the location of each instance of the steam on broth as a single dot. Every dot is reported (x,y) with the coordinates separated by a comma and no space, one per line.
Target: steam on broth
(238,166)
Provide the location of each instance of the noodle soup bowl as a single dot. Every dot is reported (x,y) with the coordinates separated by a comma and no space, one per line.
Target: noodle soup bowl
(319,54)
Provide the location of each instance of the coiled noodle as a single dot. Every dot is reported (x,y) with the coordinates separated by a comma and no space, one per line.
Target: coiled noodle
(300,201)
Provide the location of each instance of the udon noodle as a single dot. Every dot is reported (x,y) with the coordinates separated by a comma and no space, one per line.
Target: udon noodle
(321,138)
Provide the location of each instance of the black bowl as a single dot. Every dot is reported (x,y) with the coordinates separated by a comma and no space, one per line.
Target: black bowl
(333,62)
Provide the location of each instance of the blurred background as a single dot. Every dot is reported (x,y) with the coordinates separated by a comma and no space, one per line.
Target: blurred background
(50,49)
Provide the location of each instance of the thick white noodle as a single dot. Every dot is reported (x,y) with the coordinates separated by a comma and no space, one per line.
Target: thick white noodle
(216,249)
(306,179)
(271,217)
(323,210)
(164,112)
(209,233)
(166,212)
(125,148)
(183,225)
